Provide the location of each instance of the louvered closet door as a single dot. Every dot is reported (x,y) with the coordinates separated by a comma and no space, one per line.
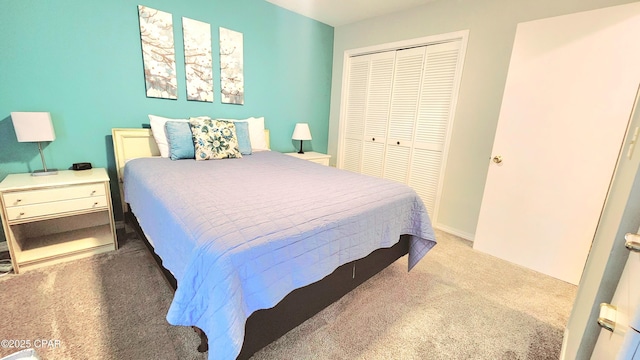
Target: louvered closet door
(377,113)
(399,108)
(433,118)
(359,70)
(404,107)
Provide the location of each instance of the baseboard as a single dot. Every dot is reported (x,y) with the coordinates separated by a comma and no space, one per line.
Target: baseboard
(563,351)
(456,232)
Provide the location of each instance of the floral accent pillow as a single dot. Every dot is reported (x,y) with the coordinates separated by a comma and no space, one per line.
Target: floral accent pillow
(214,139)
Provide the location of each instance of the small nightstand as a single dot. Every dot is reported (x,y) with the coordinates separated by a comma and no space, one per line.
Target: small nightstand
(55,218)
(315,157)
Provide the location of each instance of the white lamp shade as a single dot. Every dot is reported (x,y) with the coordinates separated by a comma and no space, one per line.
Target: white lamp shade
(33,126)
(301,132)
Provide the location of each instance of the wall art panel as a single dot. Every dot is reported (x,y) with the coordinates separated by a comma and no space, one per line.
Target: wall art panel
(197,60)
(231,67)
(158,53)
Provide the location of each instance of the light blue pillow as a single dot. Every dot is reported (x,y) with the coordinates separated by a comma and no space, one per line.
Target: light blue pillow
(242,133)
(180,140)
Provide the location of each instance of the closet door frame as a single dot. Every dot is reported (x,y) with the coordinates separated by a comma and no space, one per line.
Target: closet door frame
(461,36)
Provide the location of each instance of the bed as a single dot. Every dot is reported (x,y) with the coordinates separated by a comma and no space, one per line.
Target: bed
(256,245)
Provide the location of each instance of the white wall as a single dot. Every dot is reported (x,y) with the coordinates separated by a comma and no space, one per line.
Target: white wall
(491,25)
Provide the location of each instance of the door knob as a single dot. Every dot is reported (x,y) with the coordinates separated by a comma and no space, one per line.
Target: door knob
(497,159)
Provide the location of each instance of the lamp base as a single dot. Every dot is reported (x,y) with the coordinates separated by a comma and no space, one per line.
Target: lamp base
(43,172)
(300,152)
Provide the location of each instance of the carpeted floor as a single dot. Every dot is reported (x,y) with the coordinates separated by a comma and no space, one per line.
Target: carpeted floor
(110,306)
(456,304)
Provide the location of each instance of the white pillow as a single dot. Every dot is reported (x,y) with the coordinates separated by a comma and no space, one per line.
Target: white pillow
(157,128)
(256,130)
(256,133)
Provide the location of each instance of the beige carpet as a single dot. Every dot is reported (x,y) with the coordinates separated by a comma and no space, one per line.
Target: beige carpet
(456,304)
(110,306)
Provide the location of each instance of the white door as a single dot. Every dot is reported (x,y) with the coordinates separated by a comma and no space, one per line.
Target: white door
(433,121)
(359,69)
(377,117)
(402,115)
(369,96)
(570,89)
(398,105)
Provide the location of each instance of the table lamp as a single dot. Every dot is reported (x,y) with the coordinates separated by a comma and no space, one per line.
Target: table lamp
(35,127)
(301,132)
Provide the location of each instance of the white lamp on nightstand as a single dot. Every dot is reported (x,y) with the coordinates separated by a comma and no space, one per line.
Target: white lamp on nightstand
(301,132)
(35,127)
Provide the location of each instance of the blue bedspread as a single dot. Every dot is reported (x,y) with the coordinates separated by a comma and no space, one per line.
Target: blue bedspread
(240,234)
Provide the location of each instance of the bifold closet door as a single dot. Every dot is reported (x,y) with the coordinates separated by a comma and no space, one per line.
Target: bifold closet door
(435,114)
(377,116)
(359,68)
(399,108)
(405,98)
(421,111)
(369,96)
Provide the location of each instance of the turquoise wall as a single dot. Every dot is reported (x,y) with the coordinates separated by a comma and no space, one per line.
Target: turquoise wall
(82,62)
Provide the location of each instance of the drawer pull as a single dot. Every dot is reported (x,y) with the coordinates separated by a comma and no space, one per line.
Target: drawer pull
(18,200)
(93,192)
(21,214)
(95,203)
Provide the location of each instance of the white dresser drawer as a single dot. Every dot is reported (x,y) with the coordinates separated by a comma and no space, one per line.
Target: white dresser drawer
(29,197)
(55,208)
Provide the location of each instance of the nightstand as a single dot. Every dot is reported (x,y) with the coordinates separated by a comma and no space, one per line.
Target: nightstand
(313,157)
(55,218)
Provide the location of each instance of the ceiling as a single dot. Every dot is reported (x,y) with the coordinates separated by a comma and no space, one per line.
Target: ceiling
(342,12)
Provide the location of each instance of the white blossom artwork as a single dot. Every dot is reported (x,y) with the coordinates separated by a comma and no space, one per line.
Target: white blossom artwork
(231,72)
(158,53)
(197,60)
